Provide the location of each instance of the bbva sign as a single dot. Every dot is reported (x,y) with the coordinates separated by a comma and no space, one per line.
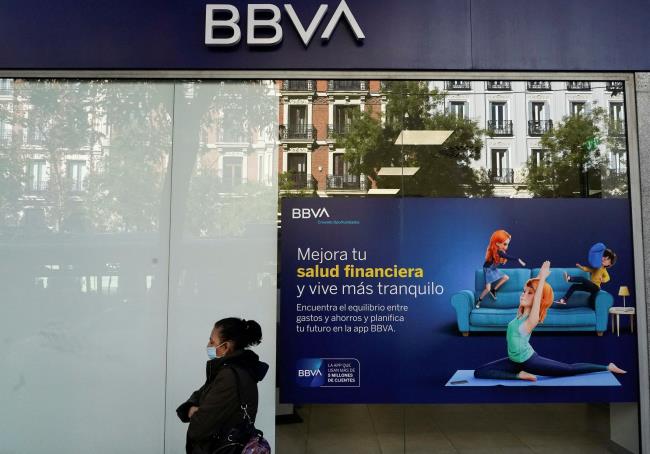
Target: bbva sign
(273,24)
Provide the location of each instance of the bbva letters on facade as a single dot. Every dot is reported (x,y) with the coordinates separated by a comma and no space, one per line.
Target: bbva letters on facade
(273,24)
(309,213)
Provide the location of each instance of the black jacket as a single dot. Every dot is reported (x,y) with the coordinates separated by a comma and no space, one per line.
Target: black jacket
(218,402)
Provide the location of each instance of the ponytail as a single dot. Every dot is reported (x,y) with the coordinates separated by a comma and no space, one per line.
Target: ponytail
(253,332)
(242,333)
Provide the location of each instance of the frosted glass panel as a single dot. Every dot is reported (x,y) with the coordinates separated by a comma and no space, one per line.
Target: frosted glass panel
(223,232)
(84,219)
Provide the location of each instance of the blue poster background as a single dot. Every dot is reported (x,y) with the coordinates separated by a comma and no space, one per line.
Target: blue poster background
(448,238)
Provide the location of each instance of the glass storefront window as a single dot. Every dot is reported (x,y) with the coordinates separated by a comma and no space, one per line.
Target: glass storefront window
(133,214)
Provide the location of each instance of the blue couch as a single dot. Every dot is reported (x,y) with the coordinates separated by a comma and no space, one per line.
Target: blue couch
(493,315)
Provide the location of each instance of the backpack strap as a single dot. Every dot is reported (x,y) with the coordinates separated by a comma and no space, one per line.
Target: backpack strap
(253,431)
(242,405)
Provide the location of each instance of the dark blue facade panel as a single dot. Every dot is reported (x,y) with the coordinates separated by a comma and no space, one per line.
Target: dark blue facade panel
(148,34)
(586,35)
(400,35)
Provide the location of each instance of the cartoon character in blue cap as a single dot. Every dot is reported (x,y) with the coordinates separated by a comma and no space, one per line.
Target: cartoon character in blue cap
(600,258)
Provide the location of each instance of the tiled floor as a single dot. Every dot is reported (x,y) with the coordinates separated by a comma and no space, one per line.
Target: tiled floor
(426,429)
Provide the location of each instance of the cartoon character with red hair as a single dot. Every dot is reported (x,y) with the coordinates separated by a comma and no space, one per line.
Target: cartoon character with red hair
(522,362)
(496,255)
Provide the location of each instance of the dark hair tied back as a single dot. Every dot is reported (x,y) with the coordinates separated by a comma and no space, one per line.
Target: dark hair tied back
(243,333)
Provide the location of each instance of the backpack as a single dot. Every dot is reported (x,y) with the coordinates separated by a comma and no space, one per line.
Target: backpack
(257,444)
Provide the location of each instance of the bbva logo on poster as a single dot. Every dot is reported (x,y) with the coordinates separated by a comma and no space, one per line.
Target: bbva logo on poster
(309,213)
(309,373)
(255,24)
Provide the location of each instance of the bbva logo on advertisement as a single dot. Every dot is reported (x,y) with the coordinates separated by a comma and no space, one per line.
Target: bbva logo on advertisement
(309,373)
(254,24)
(309,213)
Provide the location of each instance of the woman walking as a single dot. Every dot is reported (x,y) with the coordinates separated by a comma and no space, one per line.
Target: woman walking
(228,399)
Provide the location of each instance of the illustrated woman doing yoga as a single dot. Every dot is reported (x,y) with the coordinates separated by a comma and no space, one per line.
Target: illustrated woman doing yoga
(522,362)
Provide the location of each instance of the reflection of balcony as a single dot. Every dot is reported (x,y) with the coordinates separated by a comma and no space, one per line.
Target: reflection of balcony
(539,127)
(538,85)
(616,128)
(347,85)
(615,179)
(5,139)
(35,141)
(334,130)
(615,85)
(578,85)
(451,85)
(76,187)
(38,186)
(297,132)
(229,183)
(232,137)
(502,176)
(619,172)
(298,180)
(500,128)
(298,85)
(498,85)
(346,181)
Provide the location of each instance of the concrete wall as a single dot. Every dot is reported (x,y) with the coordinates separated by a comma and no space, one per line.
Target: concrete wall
(642,85)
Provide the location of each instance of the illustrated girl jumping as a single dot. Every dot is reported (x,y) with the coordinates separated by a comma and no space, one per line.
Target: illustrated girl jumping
(495,255)
(522,362)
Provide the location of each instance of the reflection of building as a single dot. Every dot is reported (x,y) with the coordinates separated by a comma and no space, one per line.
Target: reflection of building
(53,146)
(6,106)
(238,160)
(239,151)
(312,114)
(517,113)
(71,147)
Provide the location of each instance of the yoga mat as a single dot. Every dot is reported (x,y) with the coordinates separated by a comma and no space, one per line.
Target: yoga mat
(592,379)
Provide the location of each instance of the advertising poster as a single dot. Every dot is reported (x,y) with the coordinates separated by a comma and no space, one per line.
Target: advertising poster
(379,301)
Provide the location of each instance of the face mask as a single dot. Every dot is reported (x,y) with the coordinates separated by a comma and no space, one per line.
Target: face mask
(212,351)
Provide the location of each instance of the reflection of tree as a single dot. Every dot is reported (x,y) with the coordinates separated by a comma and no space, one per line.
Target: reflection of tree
(615,175)
(240,113)
(123,134)
(126,187)
(572,163)
(218,211)
(51,119)
(444,170)
(296,184)
(12,163)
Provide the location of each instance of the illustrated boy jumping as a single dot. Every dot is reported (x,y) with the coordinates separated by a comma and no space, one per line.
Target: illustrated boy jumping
(598,274)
